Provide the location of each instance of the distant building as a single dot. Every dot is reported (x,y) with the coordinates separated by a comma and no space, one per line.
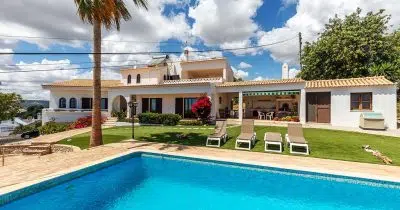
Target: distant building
(285,71)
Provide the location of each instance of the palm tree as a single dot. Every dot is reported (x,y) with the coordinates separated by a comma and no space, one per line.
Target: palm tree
(107,13)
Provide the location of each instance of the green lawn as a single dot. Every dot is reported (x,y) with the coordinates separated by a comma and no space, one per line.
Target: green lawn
(328,144)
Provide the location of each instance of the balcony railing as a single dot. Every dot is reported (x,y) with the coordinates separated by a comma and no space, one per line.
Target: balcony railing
(70,110)
(197,80)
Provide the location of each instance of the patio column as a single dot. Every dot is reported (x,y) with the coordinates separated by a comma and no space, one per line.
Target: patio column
(128,109)
(240,105)
(302,106)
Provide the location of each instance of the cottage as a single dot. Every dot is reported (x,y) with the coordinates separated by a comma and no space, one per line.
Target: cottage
(172,87)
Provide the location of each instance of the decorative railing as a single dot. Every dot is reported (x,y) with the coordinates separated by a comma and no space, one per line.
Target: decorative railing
(197,80)
(69,110)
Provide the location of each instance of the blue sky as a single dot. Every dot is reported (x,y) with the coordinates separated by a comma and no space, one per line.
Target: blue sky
(166,26)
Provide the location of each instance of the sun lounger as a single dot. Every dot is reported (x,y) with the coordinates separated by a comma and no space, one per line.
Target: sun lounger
(272,138)
(295,138)
(247,135)
(218,135)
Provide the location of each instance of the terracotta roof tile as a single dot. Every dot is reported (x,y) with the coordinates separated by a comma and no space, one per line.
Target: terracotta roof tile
(261,82)
(83,83)
(351,82)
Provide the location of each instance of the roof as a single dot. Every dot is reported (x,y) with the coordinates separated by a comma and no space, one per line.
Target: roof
(261,82)
(351,82)
(202,60)
(157,60)
(83,83)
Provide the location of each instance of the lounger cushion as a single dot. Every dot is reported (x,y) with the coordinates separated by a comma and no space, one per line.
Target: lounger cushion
(217,135)
(245,136)
(273,137)
(297,139)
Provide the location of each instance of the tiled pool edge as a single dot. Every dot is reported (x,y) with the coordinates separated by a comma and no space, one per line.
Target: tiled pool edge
(28,188)
(42,184)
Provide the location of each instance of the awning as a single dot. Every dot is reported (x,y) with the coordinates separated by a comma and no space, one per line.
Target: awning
(272,93)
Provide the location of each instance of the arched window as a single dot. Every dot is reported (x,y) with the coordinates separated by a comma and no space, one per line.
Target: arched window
(72,103)
(138,78)
(129,79)
(62,103)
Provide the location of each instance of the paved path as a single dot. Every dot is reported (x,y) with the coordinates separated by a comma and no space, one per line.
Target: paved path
(31,171)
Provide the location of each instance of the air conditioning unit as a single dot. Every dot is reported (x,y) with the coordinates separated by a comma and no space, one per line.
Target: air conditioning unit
(372,120)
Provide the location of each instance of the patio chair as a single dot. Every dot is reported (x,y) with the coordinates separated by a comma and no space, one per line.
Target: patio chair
(261,115)
(218,135)
(295,138)
(272,138)
(269,116)
(247,135)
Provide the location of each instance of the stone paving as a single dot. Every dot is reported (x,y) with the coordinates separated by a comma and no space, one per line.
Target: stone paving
(22,173)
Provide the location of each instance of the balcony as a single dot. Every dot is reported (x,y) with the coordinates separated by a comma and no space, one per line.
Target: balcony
(197,80)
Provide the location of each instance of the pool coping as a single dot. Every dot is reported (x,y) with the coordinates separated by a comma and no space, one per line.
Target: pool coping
(20,190)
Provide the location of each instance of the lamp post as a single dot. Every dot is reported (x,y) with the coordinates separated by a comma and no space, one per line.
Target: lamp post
(133,106)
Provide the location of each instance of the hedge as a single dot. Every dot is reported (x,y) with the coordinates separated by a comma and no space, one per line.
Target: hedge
(155,118)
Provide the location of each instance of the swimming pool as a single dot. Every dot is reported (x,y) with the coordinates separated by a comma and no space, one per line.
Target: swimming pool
(152,181)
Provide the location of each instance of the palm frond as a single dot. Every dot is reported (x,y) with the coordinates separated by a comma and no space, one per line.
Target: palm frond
(108,12)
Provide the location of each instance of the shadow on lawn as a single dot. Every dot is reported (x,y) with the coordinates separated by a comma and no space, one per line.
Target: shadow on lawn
(185,139)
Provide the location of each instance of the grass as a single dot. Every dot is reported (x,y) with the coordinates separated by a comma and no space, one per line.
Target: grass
(328,144)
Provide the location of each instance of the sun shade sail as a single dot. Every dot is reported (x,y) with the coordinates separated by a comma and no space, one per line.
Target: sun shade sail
(272,93)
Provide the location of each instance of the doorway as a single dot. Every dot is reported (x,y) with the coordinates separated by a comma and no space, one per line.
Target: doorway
(319,107)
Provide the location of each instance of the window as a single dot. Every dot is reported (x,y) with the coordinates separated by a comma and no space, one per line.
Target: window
(104,103)
(72,103)
(183,107)
(129,79)
(220,100)
(86,103)
(361,101)
(138,78)
(152,105)
(62,103)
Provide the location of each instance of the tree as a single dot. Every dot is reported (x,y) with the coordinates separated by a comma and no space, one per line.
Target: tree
(10,105)
(356,46)
(202,108)
(31,111)
(107,13)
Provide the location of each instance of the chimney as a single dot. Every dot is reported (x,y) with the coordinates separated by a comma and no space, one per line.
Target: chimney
(186,54)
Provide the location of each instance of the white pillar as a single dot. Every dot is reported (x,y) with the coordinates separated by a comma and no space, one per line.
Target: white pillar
(240,105)
(128,109)
(302,106)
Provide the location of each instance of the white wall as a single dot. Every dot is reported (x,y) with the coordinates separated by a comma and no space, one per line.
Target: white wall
(383,101)
(148,76)
(56,94)
(65,116)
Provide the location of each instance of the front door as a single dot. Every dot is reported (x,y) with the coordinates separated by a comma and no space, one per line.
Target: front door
(319,107)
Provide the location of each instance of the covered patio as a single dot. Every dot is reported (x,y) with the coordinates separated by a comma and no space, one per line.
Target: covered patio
(277,105)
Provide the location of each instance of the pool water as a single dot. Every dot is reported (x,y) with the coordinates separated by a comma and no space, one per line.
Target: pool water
(165,182)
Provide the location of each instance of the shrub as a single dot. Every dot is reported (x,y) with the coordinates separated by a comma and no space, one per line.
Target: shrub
(53,127)
(31,127)
(191,122)
(121,115)
(170,119)
(84,122)
(155,118)
(202,108)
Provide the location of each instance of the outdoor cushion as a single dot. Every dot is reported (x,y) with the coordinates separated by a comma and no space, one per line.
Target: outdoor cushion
(217,135)
(274,137)
(245,136)
(297,139)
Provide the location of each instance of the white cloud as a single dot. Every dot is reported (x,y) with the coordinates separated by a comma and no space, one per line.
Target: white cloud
(238,73)
(310,18)
(259,78)
(244,65)
(225,23)
(287,3)
(293,73)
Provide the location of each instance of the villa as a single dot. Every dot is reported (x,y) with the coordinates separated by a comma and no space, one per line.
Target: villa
(164,86)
